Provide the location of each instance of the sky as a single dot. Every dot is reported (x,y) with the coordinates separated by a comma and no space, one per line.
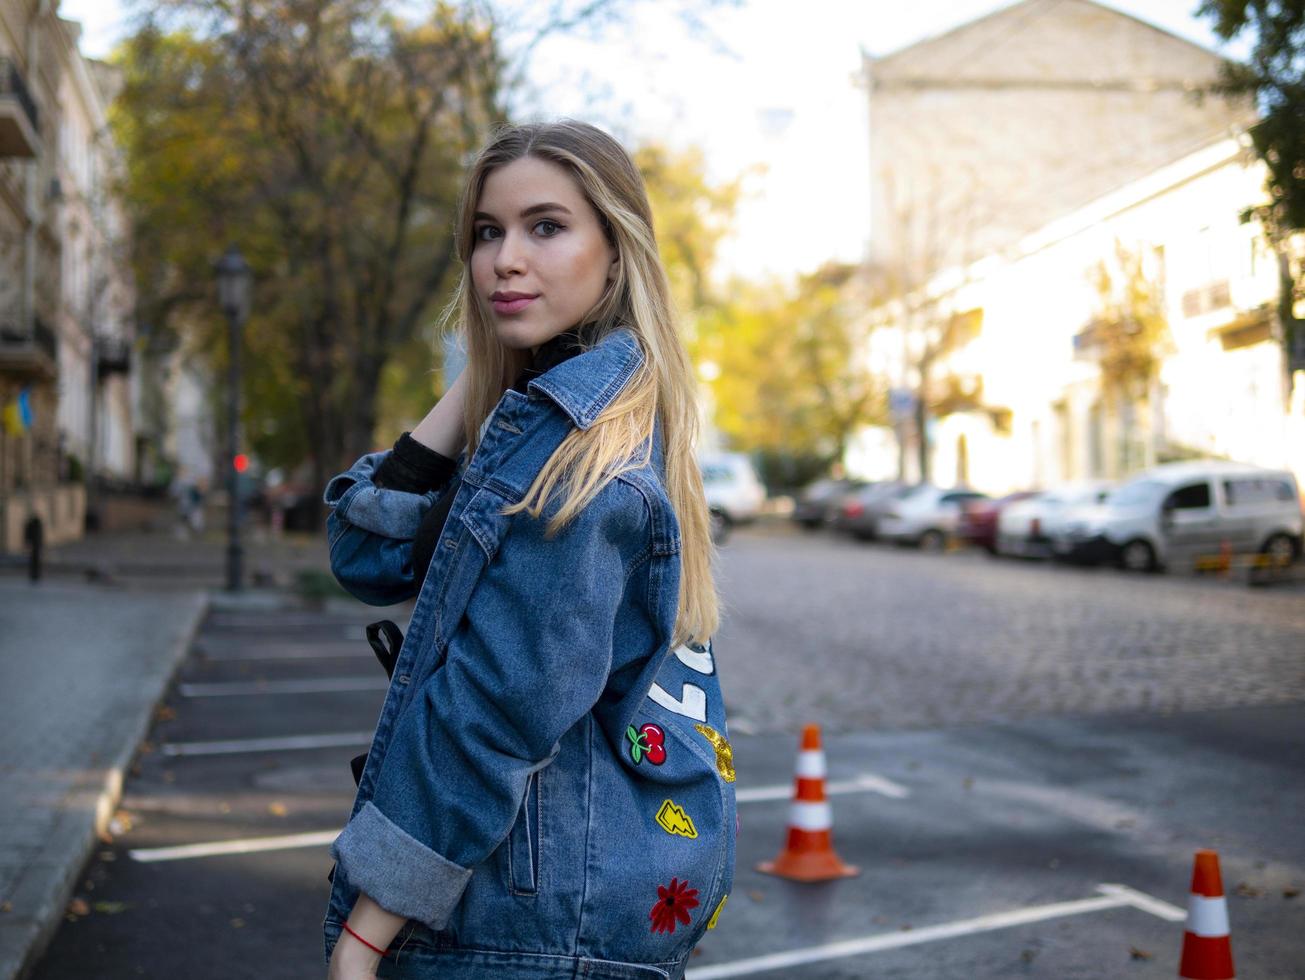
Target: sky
(769,96)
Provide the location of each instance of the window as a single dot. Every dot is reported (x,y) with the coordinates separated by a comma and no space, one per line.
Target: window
(1248,491)
(1137,492)
(1190,497)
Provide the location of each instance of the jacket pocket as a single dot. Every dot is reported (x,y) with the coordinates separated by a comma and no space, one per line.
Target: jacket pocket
(523,842)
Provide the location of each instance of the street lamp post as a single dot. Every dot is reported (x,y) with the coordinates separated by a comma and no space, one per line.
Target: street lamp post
(234,283)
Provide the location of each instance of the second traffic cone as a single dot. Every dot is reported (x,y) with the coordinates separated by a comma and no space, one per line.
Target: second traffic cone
(808,854)
(1207,948)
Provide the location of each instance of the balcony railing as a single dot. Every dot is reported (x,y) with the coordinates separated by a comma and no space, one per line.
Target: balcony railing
(19,132)
(33,352)
(113,356)
(46,339)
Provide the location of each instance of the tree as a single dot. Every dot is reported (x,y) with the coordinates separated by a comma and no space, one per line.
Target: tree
(787,370)
(1128,338)
(935,214)
(690,215)
(327,139)
(1275,78)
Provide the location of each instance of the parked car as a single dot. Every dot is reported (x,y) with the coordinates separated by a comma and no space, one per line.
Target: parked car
(1184,511)
(928,516)
(734,491)
(860,511)
(978,524)
(1025,529)
(818,503)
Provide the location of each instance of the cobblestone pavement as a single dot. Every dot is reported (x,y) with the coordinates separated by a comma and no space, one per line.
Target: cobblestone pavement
(866,636)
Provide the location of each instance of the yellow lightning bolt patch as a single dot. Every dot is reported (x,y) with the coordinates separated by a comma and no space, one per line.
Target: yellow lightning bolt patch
(716,915)
(724,753)
(672,819)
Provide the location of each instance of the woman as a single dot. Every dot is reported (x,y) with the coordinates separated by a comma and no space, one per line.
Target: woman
(548,789)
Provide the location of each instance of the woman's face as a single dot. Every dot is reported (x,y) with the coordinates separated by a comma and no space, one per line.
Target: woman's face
(540,260)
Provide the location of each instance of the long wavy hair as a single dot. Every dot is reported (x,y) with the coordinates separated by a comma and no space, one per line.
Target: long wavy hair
(663,387)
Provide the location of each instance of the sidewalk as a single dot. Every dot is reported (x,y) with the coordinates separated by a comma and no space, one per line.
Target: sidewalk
(81,668)
(85,655)
(164,560)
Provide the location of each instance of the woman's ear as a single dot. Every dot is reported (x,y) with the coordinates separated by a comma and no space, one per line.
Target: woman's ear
(614,269)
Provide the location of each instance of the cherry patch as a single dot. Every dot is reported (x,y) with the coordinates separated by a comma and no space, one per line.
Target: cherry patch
(648,742)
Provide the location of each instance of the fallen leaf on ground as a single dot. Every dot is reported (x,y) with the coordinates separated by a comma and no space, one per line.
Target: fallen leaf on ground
(277,809)
(1139,954)
(1247,890)
(7,907)
(78,906)
(237,923)
(110,908)
(1290,892)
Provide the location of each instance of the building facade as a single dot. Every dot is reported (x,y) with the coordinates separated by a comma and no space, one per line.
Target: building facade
(1132,243)
(65,286)
(1220,385)
(987,132)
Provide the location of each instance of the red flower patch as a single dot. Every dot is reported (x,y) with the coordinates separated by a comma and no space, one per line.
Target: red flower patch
(673,903)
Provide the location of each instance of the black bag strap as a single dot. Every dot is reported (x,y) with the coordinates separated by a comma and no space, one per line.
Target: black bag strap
(386,639)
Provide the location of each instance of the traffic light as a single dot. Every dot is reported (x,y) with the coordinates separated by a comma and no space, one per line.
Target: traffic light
(241,462)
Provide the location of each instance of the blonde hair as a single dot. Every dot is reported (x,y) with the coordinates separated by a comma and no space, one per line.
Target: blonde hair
(663,386)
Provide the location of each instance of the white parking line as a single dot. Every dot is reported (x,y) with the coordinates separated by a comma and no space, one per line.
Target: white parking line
(1114,896)
(250,845)
(866,782)
(319,685)
(759,794)
(326,650)
(235,745)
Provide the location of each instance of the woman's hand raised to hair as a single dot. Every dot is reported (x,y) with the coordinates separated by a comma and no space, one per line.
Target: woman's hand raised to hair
(442,429)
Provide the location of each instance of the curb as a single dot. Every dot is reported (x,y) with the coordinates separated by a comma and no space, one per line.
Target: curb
(47,886)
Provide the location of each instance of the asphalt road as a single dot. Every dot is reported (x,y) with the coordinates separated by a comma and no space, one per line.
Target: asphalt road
(1003,739)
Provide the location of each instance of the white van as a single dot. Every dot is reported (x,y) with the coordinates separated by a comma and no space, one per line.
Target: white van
(735,494)
(1181,512)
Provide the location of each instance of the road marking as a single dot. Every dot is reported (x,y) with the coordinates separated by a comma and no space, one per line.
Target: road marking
(266,651)
(250,845)
(236,745)
(224,624)
(862,784)
(1113,896)
(865,783)
(320,685)
(1145,902)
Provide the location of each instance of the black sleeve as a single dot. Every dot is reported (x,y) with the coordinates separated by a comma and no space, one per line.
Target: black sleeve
(423,545)
(413,467)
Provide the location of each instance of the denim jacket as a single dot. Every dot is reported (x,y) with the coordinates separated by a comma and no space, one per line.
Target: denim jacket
(548,791)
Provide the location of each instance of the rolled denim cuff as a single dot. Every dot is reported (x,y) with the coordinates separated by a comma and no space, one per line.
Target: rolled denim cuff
(398,872)
(389,513)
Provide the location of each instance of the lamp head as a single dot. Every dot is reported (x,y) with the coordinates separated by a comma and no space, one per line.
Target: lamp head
(235,283)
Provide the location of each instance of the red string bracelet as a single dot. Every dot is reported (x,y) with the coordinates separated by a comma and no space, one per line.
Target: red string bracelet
(374,949)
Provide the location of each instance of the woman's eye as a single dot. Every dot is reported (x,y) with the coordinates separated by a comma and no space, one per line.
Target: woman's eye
(486,233)
(547,228)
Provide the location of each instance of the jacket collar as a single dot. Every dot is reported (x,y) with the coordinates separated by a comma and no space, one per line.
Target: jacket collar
(584,385)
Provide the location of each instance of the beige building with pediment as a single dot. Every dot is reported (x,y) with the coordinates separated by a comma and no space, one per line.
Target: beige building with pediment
(1011,158)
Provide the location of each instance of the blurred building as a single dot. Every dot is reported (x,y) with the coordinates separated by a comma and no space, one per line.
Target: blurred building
(991,130)
(65,287)
(1022,329)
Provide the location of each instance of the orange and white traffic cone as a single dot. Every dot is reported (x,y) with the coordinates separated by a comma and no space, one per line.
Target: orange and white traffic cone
(1207,948)
(808,854)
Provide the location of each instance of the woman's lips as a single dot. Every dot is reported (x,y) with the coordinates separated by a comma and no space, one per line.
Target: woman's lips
(506,307)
